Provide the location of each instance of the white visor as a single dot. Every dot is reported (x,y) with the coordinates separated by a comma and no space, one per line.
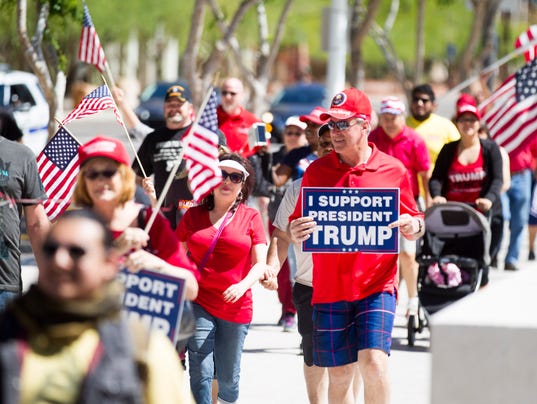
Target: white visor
(234,164)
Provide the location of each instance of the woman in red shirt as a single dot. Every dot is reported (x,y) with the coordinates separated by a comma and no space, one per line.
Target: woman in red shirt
(227,241)
(106,185)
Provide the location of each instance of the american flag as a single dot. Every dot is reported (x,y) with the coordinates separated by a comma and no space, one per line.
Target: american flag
(511,111)
(201,152)
(58,167)
(98,100)
(524,39)
(90,49)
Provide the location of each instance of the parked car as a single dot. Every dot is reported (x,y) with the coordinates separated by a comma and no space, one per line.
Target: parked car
(21,95)
(297,99)
(150,110)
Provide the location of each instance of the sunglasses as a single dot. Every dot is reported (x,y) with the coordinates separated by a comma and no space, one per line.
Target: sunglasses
(94,174)
(342,125)
(235,178)
(467,120)
(418,99)
(50,248)
(224,93)
(293,133)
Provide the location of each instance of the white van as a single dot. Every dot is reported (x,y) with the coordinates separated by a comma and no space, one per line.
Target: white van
(21,94)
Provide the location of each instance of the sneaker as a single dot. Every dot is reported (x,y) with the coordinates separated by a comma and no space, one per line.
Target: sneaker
(509,266)
(289,323)
(412,306)
(280,321)
(531,256)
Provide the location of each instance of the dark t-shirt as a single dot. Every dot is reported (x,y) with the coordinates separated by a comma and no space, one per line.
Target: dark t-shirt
(19,179)
(158,153)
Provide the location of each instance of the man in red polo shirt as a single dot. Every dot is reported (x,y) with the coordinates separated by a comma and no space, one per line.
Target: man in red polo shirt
(354,294)
(233,119)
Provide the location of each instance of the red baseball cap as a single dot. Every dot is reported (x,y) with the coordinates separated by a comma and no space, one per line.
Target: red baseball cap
(348,104)
(314,116)
(102,146)
(466,99)
(467,108)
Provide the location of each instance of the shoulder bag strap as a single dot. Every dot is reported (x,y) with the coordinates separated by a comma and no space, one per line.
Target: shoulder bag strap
(215,239)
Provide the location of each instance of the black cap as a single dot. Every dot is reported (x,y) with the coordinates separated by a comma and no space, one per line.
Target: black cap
(179,91)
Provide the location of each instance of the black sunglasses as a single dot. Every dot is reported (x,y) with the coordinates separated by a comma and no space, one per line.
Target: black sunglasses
(424,100)
(94,174)
(342,125)
(235,178)
(224,93)
(50,248)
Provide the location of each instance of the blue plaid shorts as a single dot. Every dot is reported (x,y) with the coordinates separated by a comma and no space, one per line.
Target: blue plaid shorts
(341,329)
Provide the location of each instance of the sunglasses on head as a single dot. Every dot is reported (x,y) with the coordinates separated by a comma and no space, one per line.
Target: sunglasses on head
(235,178)
(50,248)
(94,174)
(342,125)
(224,93)
(418,99)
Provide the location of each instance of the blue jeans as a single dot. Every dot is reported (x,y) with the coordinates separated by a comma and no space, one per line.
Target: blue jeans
(518,206)
(5,298)
(215,349)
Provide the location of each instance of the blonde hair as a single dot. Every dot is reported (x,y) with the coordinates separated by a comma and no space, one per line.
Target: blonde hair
(128,178)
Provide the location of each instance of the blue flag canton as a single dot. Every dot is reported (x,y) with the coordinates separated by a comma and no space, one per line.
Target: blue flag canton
(86,20)
(100,92)
(209,119)
(526,81)
(61,149)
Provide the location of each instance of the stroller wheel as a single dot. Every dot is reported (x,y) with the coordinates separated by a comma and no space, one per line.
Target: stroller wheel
(411,329)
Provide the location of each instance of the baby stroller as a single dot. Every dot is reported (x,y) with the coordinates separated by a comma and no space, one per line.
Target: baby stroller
(452,256)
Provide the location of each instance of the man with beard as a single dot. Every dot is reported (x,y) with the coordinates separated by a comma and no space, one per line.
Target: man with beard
(435,129)
(233,119)
(160,149)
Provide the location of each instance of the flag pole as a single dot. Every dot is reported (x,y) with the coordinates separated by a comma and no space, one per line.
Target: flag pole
(490,68)
(125,131)
(175,167)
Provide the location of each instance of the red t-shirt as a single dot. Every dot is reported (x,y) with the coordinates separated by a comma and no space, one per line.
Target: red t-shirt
(230,261)
(409,148)
(354,276)
(236,128)
(164,243)
(465,182)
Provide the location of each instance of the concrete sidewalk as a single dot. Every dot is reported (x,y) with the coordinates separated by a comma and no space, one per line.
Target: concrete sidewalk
(272,364)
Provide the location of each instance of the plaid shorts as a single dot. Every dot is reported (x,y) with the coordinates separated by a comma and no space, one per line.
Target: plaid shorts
(341,329)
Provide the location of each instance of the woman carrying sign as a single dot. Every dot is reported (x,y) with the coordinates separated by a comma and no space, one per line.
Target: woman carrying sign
(106,185)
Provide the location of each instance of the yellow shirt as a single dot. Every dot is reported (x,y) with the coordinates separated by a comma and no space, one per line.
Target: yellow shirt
(436,131)
(56,375)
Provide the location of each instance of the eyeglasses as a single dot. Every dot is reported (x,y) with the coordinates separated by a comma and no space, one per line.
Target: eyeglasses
(418,99)
(50,248)
(235,178)
(342,125)
(293,133)
(224,93)
(94,174)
